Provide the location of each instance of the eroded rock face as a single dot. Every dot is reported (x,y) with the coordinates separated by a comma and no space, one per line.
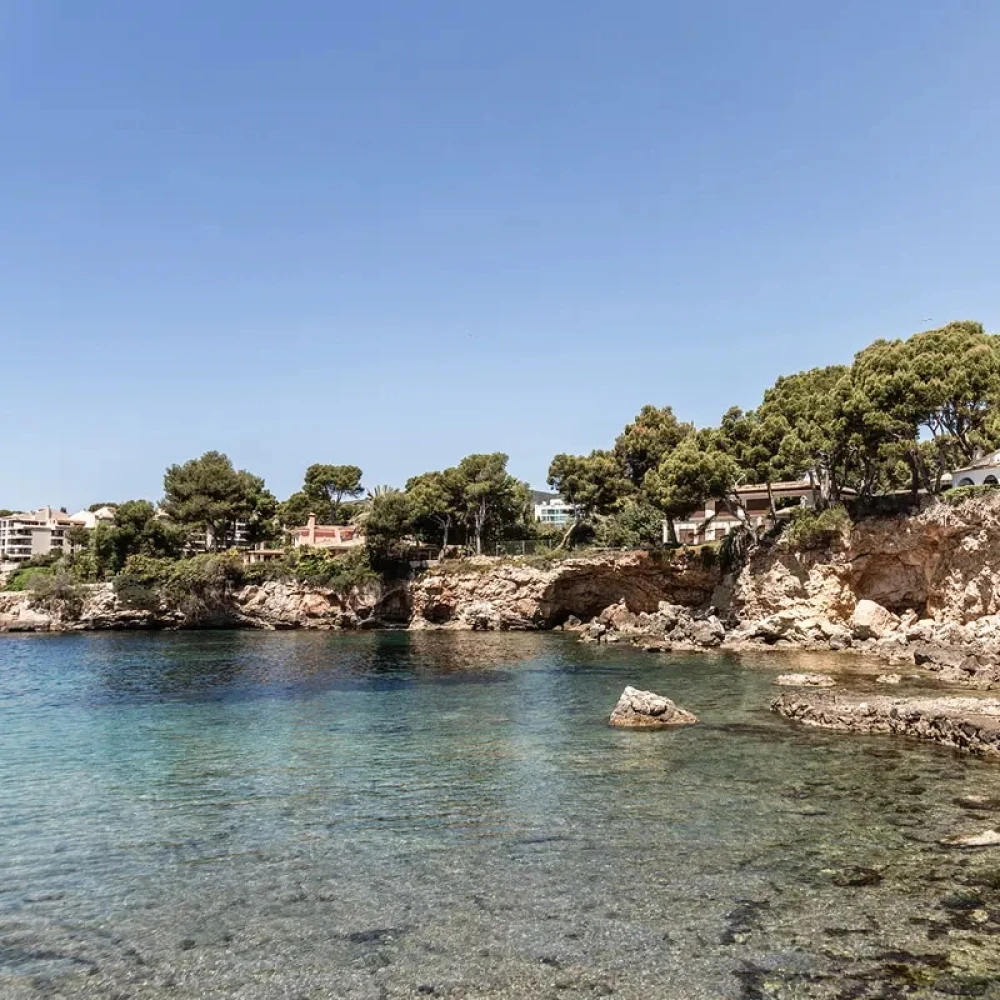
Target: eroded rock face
(645,710)
(941,565)
(619,587)
(271,605)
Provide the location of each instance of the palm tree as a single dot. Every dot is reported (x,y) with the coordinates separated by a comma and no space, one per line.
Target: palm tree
(363,507)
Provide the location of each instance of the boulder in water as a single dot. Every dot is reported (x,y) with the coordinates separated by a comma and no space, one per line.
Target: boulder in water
(647,710)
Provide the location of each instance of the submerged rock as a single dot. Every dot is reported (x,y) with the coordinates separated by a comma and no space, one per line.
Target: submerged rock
(988,838)
(986,802)
(805,680)
(645,709)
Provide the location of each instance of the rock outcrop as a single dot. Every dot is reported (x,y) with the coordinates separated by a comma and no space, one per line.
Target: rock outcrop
(271,605)
(486,594)
(969,724)
(646,710)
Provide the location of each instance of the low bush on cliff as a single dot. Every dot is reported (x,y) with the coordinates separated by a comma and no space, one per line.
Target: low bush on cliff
(195,586)
(134,593)
(317,568)
(58,593)
(817,529)
(962,493)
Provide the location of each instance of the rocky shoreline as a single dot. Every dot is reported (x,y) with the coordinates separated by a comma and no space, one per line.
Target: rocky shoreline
(968,724)
(917,590)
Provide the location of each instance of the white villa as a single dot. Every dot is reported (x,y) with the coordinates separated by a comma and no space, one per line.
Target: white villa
(984,471)
(90,519)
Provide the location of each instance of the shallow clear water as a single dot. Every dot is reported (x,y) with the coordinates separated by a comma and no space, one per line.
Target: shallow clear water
(296,815)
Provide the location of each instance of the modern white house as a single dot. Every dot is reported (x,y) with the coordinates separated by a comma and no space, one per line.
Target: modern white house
(719,517)
(550,508)
(984,471)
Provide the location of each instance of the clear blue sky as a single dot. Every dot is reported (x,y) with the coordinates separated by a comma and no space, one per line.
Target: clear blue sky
(392,233)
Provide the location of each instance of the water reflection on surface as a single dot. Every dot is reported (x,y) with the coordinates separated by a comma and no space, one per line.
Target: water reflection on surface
(242,814)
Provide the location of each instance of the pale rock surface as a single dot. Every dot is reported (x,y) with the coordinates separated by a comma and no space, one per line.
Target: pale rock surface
(871,621)
(988,838)
(645,710)
(967,723)
(805,680)
(616,588)
(888,679)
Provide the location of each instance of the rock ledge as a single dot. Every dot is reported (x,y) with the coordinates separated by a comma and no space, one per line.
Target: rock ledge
(968,724)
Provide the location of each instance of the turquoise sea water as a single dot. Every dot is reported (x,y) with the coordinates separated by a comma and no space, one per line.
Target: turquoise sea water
(381,815)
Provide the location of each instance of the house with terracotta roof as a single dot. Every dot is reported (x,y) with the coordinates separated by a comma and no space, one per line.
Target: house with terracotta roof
(339,537)
(330,537)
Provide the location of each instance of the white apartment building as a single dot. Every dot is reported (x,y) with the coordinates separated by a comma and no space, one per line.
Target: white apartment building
(204,541)
(35,533)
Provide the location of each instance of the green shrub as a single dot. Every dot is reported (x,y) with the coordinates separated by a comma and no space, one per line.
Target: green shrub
(635,525)
(27,577)
(708,556)
(136,593)
(734,550)
(958,494)
(57,592)
(817,529)
(148,570)
(318,568)
(203,582)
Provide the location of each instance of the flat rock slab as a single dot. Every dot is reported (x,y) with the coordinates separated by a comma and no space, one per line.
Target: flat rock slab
(969,724)
(988,838)
(647,710)
(805,680)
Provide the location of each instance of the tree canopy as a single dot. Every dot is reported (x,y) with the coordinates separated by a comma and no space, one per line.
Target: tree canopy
(210,495)
(644,443)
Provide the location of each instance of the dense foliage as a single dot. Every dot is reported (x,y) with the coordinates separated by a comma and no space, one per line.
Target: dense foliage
(208,494)
(897,418)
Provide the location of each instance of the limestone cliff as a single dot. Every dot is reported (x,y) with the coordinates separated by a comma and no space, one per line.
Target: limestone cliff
(890,585)
(942,564)
(489,595)
(271,605)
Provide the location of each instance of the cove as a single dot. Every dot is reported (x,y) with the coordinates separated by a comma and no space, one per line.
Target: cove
(367,815)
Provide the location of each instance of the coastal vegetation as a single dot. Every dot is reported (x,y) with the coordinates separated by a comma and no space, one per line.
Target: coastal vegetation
(895,420)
